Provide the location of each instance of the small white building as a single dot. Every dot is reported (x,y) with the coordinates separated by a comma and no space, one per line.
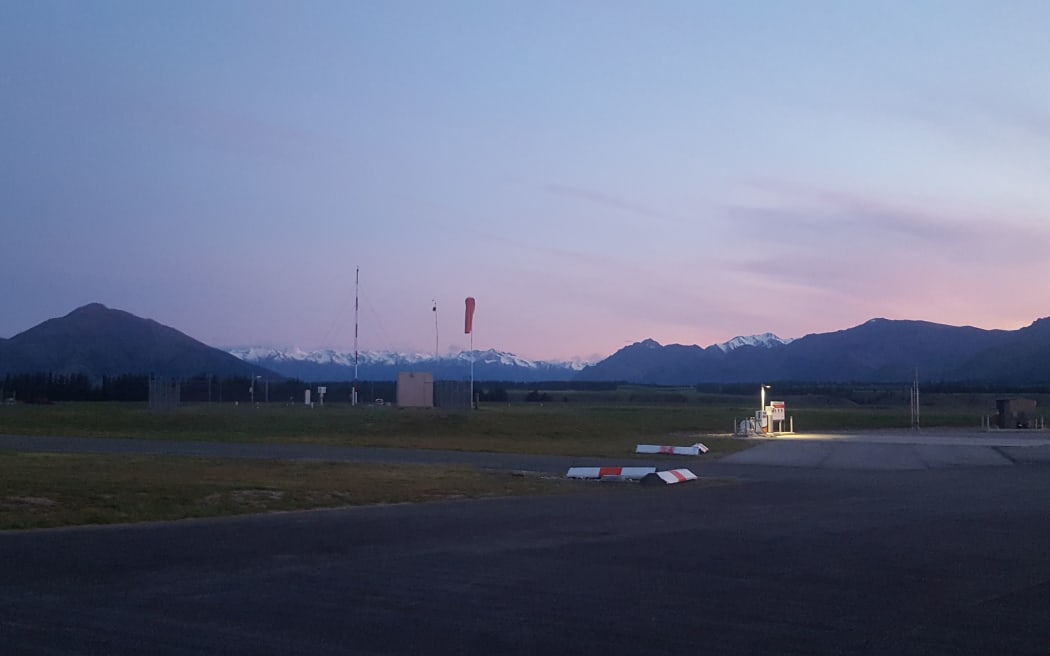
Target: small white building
(415,390)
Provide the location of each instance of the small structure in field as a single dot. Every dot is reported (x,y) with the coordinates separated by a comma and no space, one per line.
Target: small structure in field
(415,390)
(1016,413)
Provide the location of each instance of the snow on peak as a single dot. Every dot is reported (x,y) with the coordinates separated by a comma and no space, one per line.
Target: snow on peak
(648,343)
(765,340)
(261,355)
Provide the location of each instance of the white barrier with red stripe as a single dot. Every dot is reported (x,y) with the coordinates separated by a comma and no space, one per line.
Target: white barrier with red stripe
(630,473)
(694,450)
(669,477)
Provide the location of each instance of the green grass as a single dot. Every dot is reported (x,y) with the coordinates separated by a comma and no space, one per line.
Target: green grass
(552,428)
(868,418)
(39,490)
(49,490)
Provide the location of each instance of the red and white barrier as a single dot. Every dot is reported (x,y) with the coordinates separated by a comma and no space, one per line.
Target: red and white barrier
(629,473)
(694,450)
(669,477)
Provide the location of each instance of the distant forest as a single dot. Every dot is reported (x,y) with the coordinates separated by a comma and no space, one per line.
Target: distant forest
(48,388)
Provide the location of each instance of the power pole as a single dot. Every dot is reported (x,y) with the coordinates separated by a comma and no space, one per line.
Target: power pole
(915,402)
(357,284)
(435,332)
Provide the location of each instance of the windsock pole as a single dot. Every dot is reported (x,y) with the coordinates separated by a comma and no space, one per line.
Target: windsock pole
(357,284)
(468,327)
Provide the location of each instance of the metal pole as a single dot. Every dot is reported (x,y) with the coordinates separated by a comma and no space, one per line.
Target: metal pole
(435,332)
(357,283)
(768,421)
(915,423)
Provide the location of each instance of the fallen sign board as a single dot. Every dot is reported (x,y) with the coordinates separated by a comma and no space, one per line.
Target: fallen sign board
(627,473)
(670,477)
(694,450)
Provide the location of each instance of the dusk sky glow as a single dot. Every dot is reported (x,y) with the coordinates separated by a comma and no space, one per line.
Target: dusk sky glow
(593,172)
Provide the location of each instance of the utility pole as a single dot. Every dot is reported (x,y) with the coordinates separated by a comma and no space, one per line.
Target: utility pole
(357,284)
(915,402)
(435,332)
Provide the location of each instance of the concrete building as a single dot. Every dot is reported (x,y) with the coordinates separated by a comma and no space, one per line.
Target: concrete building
(415,390)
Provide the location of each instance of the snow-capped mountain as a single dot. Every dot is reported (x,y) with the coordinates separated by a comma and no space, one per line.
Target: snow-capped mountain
(765,340)
(332,365)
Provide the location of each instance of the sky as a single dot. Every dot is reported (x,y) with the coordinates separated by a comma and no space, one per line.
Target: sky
(594,173)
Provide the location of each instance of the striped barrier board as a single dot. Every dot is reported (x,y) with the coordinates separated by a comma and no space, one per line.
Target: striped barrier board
(670,477)
(694,450)
(629,473)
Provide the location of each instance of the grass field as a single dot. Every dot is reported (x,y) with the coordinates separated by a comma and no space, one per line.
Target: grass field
(48,490)
(555,428)
(39,490)
(552,429)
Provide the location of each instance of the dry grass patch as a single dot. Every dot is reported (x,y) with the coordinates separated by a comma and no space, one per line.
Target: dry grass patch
(48,490)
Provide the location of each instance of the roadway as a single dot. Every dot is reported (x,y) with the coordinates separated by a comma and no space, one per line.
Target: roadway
(787,559)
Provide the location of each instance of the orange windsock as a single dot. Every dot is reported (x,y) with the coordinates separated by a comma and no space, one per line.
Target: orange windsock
(468,324)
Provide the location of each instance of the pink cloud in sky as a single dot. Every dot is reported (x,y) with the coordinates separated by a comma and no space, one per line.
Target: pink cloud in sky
(847,257)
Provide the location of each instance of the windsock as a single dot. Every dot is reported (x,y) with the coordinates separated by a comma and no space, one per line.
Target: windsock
(468,323)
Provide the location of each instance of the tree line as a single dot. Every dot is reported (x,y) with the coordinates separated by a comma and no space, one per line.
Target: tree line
(52,387)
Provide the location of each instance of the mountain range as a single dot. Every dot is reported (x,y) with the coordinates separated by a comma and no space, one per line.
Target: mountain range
(877,351)
(97,341)
(488,365)
(333,365)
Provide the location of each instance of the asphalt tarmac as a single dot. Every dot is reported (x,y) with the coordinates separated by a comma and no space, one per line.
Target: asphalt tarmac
(949,559)
(928,449)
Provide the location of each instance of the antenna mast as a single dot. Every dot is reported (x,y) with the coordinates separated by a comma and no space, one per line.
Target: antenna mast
(435,331)
(915,402)
(357,284)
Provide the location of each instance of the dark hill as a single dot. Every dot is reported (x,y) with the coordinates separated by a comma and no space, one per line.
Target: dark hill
(1021,357)
(883,351)
(94,340)
(673,364)
(878,351)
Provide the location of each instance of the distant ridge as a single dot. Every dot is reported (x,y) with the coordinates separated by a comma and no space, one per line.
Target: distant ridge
(331,365)
(97,341)
(877,351)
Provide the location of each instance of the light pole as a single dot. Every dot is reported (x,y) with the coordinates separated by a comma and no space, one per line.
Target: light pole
(762,409)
